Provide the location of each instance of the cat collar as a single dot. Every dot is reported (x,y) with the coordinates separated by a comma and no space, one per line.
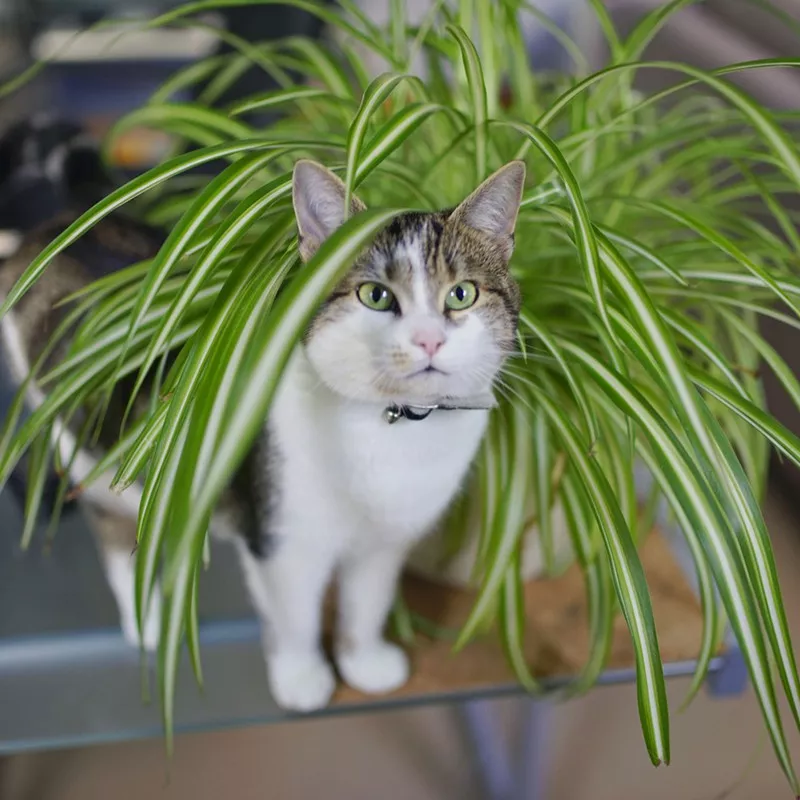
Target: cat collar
(415,413)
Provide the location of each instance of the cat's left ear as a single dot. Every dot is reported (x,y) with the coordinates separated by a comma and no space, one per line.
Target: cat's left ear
(318,197)
(493,207)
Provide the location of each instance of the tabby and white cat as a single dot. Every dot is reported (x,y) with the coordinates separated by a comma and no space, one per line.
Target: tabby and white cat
(426,316)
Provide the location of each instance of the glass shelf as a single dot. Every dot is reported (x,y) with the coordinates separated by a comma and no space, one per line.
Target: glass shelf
(67,677)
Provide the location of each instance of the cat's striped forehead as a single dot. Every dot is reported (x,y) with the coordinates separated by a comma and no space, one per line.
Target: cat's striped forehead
(410,249)
(435,249)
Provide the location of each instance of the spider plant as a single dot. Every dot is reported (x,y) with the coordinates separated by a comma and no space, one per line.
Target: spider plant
(653,235)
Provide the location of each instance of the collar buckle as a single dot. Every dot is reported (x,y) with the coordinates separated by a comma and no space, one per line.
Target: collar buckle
(393,413)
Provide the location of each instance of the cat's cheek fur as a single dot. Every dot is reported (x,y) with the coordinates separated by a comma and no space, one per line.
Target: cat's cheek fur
(470,358)
(344,352)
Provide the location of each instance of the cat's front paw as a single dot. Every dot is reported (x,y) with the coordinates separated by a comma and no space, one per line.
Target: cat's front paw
(375,669)
(152,625)
(300,683)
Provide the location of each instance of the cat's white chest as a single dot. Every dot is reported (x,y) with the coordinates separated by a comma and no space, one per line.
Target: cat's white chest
(344,467)
(404,475)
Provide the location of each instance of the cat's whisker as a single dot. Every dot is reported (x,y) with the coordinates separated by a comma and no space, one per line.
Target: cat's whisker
(519,396)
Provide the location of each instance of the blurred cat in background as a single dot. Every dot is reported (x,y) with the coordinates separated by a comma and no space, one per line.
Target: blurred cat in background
(51,171)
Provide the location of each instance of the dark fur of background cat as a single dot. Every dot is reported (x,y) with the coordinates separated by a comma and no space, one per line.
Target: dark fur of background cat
(51,172)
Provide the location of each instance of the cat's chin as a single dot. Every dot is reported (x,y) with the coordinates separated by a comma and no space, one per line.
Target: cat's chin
(447,393)
(418,389)
(386,398)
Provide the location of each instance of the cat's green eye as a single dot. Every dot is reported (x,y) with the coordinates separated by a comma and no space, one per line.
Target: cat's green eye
(461,296)
(376,297)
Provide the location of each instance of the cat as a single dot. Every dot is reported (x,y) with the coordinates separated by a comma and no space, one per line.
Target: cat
(51,171)
(48,165)
(330,489)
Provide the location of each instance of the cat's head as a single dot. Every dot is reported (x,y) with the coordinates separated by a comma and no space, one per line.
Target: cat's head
(429,311)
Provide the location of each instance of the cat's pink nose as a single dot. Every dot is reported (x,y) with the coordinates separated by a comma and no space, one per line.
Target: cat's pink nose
(429,340)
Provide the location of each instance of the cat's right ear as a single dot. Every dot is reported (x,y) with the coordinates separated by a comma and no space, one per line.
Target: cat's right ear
(318,197)
(493,207)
